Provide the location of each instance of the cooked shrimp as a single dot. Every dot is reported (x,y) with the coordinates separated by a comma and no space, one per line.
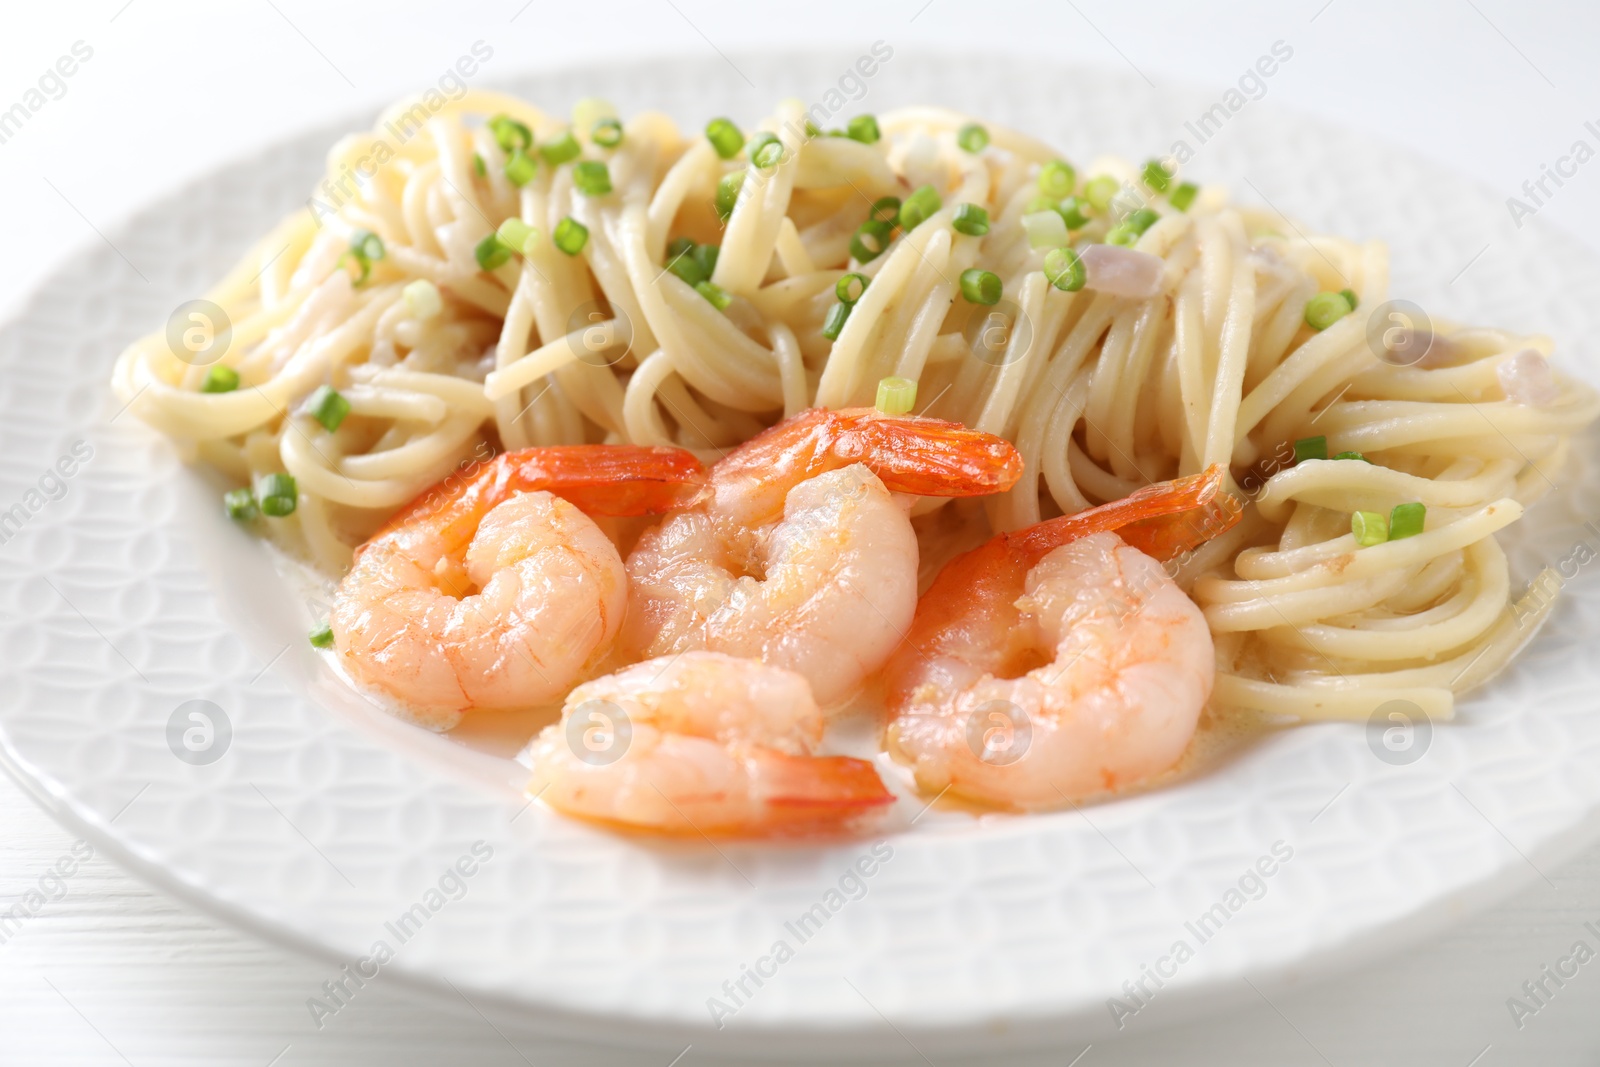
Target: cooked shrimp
(498,590)
(799,555)
(1060,662)
(700,743)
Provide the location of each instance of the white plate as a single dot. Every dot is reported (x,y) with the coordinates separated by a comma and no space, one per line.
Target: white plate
(320,822)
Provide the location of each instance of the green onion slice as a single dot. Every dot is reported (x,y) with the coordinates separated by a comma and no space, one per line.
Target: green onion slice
(607,133)
(570,235)
(728,193)
(863,128)
(491,253)
(766,151)
(591,178)
(1100,191)
(220,379)
(563,149)
(514,233)
(981,286)
(1156,176)
(276,495)
(1183,196)
(718,297)
(519,168)
(328,406)
(724,137)
(1325,309)
(850,288)
(240,504)
(871,238)
(1057,179)
(1406,520)
(1065,270)
(1073,212)
(321,637)
(971,220)
(1311,448)
(510,134)
(972,138)
(834,323)
(896,396)
(885,208)
(1370,528)
(918,207)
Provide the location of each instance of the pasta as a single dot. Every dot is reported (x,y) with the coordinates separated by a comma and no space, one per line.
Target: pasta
(599,315)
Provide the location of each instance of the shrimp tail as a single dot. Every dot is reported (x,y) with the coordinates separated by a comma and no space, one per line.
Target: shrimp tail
(1162,520)
(908,453)
(608,480)
(818,788)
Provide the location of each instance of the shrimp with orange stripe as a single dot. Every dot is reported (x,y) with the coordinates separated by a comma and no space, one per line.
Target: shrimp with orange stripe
(500,591)
(1061,662)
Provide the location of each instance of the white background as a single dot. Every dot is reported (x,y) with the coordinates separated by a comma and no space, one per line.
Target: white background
(114,973)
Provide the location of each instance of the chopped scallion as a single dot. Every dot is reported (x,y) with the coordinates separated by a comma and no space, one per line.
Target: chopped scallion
(1354,302)
(1057,179)
(715,294)
(491,253)
(591,178)
(871,238)
(322,636)
(514,233)
(563,149)
(1073,213)
(520,168)
(837,316)
(1064,270)
(1045,229)
(766,151)
(971,220)
(706,257)
(1100,191)
(1156,176)
(1351,455)
(849,288)
(240,504)
(422,299)
(918,207)
(1369,527)
(896,396)
(863,128)
(1406,520)
(686,267)
(276,495)
(885,208)
(972,138)
(728,193)
(479,165)
(220,379)
(607,133)
(724,137)
(1183,196)
(981,286)
(1325,309)
(510,134)
(328,406)
(570,235)
(1311,448)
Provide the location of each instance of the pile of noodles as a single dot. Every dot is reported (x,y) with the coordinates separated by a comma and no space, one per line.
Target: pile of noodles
(1101,393)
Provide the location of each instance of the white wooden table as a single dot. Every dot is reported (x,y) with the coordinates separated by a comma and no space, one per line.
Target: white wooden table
(112,972)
